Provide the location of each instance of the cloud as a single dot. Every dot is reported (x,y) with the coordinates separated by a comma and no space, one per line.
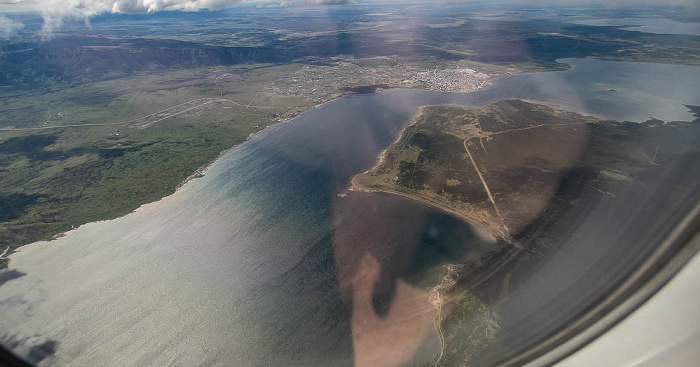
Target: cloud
(55,12)
(151,6)
(327,2)
(9,27)
(614,3)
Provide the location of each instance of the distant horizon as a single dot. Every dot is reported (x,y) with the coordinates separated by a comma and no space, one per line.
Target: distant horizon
(55,15)
(102,6)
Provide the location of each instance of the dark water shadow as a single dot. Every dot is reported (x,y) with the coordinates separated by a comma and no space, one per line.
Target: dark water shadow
(10,274)
(31,353)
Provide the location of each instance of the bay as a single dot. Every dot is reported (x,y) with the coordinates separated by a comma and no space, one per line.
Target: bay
(239,267)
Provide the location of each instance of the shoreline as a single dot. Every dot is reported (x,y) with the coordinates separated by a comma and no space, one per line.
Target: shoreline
(354,187)
(382,155)
(202,169)
(197,173)
(493,229)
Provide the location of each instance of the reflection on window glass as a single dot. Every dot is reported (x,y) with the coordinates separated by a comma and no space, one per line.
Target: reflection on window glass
(336,183)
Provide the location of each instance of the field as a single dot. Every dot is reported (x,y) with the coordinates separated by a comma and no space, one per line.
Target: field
(499,165)
(529,173)
(99,150)
(495,165)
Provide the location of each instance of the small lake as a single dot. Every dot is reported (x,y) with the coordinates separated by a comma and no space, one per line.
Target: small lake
(238,267)
(647,25)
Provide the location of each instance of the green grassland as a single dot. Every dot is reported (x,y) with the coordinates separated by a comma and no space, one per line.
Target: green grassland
(468,328)
(129,98)
(97,160)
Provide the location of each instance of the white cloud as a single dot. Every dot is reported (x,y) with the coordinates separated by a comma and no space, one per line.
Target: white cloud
(55,12)
(326,2)
(9,27)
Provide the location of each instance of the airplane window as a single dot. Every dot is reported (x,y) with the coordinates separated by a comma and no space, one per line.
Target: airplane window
(340,182)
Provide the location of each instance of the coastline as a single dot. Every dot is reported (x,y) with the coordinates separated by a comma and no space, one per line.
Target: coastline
(485,227)
(202,169)
(197,173)
(382,155)
(357,187)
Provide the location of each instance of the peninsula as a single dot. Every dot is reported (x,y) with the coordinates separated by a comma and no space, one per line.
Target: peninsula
(529,173)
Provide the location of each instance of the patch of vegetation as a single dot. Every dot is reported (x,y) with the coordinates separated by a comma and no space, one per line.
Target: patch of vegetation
(47,191)
(468,329)
(84,165)
(365,89)
(438,158)
(12,206)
